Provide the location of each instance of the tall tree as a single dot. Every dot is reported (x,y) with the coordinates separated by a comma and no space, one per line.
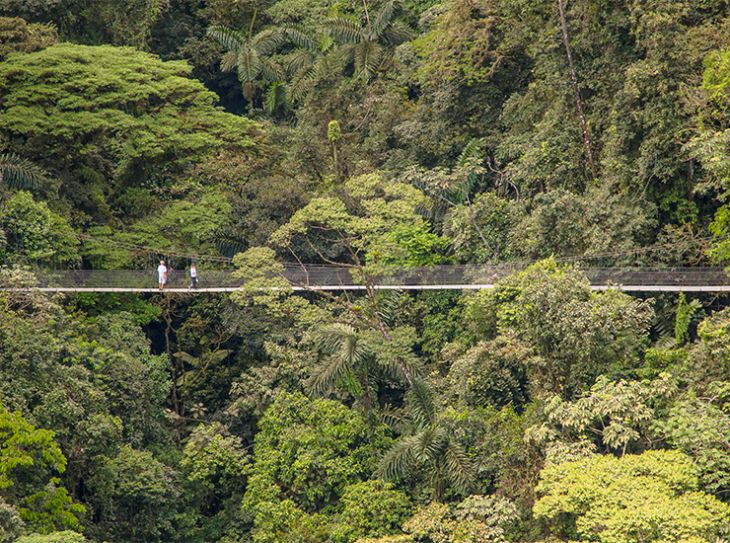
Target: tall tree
(430,448)
(576,89)
(250,55)
(367,45)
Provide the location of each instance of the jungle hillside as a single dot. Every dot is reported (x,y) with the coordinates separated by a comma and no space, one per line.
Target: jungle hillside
(543,137)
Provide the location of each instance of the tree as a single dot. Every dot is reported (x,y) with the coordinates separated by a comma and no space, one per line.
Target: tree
(35,233)
(370,509)
(135,496)
(597,224)
(699,426)
(306,453)
(110,119)
(613,417)
(55,537)
(249,54)
(588,144)
(29,461)
(576,333)
(357,360)
(654,496)
(430,449)
(477,519)
(492,373)
(17,35)
(215,466)
(11,525)
(367,45)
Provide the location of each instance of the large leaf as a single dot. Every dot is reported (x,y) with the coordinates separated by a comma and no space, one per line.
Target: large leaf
(343,352)
(459,467)
(276,97)
(249,64)
(367,57)
(299,60)
(301,38)
(19,173)
(399,461)
(268,41)
(383,18)
(271,70)
(229,61)
(421,404)
(345,30)
(394,34)
(231,39)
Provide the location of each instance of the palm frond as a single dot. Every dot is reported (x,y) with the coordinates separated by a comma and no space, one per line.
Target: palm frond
(342,351)
(229,242)
(383,18)
(393,417)
(388,303)
(271,70)
(428,445)
(268,41)
(276,97)
(337,60)
(229,61)
(302,83)
(399,461)
(345,30)
(327,374)
(473,150)
(459,468)
(229,38)
(249,64)
(301,38)
(420,403)
(396,33)
(299,60)
(330,338)
(367,58)
(19,173)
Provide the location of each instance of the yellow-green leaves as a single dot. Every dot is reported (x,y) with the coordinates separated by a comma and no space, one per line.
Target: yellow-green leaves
(649,497)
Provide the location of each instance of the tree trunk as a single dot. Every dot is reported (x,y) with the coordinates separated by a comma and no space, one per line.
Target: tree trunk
(576,90)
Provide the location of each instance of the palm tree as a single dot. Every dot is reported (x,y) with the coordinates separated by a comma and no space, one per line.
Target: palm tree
(350,359)
(308,62)
(249,54)
(19,173)
(430,448)
(367,45)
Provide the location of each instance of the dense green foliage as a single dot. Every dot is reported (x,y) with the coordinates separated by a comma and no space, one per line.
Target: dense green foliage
(545,136)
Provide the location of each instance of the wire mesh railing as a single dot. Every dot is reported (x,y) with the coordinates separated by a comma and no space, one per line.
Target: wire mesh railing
(447,276)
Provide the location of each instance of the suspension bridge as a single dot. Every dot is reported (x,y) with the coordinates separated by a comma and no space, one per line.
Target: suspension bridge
(340,278)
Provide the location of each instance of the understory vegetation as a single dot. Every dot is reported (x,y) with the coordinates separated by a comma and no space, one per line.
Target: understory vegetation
(543,137)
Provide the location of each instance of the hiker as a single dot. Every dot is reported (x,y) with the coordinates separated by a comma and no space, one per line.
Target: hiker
(162,274)
(193,276)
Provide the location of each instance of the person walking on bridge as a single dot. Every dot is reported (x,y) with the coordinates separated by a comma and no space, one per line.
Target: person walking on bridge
(193,276)
(162,274)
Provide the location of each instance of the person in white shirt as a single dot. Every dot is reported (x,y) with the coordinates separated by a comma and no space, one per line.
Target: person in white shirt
(162,274)
(193,276)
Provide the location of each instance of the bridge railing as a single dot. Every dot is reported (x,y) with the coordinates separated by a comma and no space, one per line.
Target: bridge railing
(333,276)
